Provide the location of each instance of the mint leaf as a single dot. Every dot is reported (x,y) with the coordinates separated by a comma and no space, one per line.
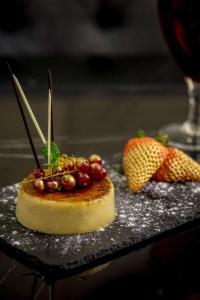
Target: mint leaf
(55,154)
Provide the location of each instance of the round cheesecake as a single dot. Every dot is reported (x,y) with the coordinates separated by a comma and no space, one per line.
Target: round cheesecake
(77,211)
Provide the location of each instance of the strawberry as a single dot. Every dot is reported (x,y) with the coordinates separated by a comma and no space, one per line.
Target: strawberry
(142,157)
(177,166)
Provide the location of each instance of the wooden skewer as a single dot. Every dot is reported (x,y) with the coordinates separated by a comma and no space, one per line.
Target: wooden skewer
(51,90)
(19,88)
(23,117)
(49,128)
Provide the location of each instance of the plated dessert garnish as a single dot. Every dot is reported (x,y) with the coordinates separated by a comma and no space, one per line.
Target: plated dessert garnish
(75,197)
(147,158)
(68,194)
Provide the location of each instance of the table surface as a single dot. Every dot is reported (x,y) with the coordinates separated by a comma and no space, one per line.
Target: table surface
(96,120)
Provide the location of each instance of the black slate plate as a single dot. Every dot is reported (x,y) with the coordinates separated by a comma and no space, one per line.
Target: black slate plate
(158,209)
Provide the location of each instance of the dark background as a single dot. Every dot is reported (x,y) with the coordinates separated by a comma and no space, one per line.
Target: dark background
(79,28)
(89,43)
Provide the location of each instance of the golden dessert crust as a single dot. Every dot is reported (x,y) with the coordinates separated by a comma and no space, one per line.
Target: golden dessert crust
(78,211)
(95,191)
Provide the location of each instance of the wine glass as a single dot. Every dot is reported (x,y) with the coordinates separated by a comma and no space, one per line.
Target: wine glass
(180,25)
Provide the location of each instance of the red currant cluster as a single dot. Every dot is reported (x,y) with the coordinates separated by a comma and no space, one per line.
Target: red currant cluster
(76,172)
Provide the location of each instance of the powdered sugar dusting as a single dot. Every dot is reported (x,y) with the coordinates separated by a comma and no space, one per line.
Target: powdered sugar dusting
(157,208)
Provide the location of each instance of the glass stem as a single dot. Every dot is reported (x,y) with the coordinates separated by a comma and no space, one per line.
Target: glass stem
(192,124)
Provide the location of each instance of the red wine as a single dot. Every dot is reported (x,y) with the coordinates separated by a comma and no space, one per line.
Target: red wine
(180,24)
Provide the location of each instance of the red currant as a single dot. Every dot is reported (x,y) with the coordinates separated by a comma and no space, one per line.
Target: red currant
(95,170)
(69,165)
(68,182)
(103,174)
(94,158)
(52,185)
(83,165)
(83,179)
(57,170)
(38,173)
(38,184)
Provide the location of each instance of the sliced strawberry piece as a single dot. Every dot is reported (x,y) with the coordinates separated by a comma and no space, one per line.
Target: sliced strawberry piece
(177,166)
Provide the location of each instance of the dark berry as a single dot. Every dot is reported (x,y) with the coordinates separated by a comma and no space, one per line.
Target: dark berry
(68,182)
(102,174)
(38,173)
(95,171)
(57,170)
(83,165)
(69,165)
(52,185)
(83,179)
(39,185)
(94,158)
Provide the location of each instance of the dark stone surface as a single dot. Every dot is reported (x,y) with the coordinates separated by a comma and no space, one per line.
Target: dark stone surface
(141,218)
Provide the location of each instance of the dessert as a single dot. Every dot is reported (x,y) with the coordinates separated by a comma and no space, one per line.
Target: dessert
(69,195)
(146,158)
(61,206)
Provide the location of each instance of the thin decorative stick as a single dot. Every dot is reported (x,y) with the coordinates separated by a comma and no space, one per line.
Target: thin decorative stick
(52,119)
(24,118)
(28,108)
(49,128)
